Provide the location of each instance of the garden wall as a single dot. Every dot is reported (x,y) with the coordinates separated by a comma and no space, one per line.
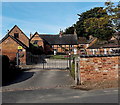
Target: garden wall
(99,68)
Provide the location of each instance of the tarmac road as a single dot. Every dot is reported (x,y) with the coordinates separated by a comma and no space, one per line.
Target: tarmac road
(52,86)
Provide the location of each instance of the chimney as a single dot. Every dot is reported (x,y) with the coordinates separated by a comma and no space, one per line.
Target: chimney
(7,31)
(75,32)
(61,32)
(31,34)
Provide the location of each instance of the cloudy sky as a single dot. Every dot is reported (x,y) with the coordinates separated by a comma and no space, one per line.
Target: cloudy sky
(43,17)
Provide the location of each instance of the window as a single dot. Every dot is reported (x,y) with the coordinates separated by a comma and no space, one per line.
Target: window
(35,42)
(16,35)
(52,46)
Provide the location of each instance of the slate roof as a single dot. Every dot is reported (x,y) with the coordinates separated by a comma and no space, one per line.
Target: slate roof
(66,39)
(105,44)
(18,41)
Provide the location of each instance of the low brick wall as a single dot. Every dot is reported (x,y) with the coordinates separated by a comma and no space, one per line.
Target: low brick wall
(99,68)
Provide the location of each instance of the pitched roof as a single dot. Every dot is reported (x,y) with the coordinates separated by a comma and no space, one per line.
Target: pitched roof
(36,33)
(18,41)
(66,39)
(19,29)
(105,44)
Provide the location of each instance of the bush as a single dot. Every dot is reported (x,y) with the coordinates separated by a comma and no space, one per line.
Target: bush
(5,67)
(5,63)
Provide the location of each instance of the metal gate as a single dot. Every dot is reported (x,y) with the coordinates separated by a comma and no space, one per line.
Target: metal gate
(54,62)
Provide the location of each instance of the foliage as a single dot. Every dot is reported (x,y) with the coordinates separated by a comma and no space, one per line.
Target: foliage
(36,50)
(69,30)
(114,13)
(99,27)
(5,63)
(99,22)
(80,26)
(95,22)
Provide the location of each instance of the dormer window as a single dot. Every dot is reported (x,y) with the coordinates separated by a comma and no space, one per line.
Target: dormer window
(16,35)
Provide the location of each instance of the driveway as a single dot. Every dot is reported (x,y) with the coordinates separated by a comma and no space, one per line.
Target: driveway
(37,78)
(52,86)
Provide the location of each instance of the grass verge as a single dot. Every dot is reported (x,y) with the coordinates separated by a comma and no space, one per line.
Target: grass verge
(65,57)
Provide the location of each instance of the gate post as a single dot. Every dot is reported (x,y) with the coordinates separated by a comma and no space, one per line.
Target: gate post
(79,74)
(43,65)
(77,71)
(69,61)
(17,59)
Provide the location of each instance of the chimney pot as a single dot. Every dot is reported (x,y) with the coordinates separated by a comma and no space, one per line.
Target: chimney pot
(61,32)
(31,34)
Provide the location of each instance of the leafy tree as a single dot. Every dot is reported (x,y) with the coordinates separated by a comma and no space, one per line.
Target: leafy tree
(81,24)
(99,22)
(99,27)
(69,30)
(114,13)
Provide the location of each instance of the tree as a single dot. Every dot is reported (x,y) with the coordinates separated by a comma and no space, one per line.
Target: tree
(99,27)
(69,30)
(99,22)
(114,13)
(82,23)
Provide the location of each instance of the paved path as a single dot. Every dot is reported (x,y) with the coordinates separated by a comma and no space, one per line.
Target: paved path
(37,78)
(52,86)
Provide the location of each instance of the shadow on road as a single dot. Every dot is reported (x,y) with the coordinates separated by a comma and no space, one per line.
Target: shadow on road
(19,77)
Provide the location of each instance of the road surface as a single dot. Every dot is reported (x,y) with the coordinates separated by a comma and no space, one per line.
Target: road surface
(52,86)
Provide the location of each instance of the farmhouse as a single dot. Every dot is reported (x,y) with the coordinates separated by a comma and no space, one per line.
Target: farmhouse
(60,43)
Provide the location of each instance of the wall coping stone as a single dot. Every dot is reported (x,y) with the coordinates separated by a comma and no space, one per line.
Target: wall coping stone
(107,55)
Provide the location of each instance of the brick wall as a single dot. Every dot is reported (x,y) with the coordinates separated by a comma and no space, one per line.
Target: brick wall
(10,48)
(37,38)
(99,68)
(22,37)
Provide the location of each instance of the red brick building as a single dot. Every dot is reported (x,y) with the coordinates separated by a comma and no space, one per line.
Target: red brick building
(10,43)
(61,43)
(104,47)
(47,44)
(17,33)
